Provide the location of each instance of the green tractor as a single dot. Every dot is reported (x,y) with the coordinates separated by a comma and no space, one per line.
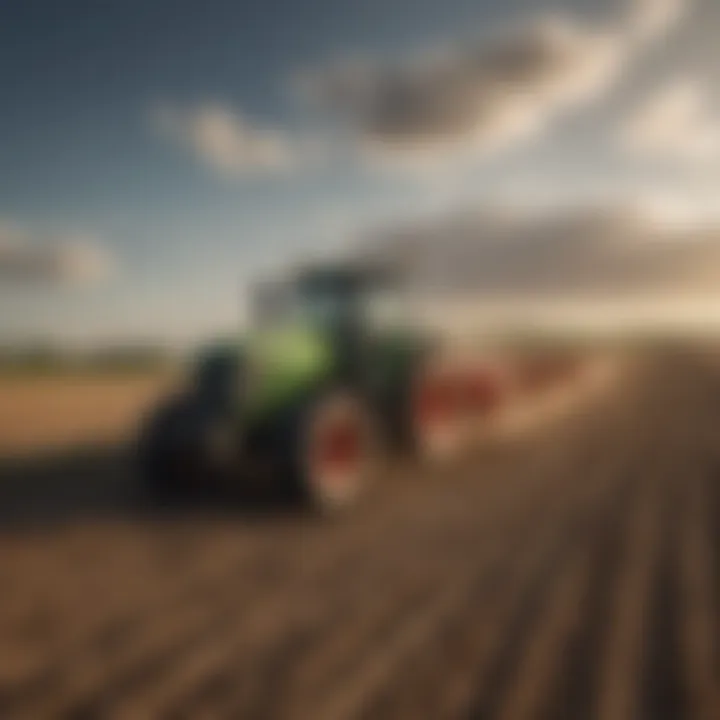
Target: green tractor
(312,400)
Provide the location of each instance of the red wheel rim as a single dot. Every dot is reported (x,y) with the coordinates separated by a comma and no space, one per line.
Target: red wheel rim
(338,451)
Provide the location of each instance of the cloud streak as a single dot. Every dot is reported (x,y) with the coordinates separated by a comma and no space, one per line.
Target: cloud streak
(486,96)
(652,20)
(588,252)
(458,102)
(677,123)
(225,140)
(65,261)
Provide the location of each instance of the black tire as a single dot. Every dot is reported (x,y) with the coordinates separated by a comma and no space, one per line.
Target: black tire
(165,454)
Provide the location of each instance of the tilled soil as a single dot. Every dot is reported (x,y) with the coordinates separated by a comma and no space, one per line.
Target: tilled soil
(571,574)
(38,413)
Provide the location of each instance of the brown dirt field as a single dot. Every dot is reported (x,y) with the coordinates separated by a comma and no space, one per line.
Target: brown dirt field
(570,575)
(48,413)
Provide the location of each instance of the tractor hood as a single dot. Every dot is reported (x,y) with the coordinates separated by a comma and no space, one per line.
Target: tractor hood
(283,362)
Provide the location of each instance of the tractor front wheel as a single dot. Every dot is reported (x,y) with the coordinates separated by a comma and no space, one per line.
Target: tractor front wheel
(166,465)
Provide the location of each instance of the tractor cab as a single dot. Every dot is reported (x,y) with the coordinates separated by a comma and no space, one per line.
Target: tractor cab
(344,305)
(343,322)
(332,297)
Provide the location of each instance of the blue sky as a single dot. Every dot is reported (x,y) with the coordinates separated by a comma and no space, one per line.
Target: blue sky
(83,154)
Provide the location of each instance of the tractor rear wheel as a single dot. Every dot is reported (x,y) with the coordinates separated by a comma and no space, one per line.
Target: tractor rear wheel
(335,450)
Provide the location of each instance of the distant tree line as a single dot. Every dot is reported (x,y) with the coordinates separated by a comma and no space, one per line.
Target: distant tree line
(42,358)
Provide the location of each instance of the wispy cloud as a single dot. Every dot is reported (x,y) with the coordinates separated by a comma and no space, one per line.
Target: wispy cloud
(651,20)
(224,139)
(679,122)
(486,96)
(598,251)
(477,99)
(457,102)
(66,260)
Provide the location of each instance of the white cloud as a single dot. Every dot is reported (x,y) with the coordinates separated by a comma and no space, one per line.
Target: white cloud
(478,99)
(608,252)
(679,123)
(650,20)
(71,261)
(454,103)
(486,96)
(225,140)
